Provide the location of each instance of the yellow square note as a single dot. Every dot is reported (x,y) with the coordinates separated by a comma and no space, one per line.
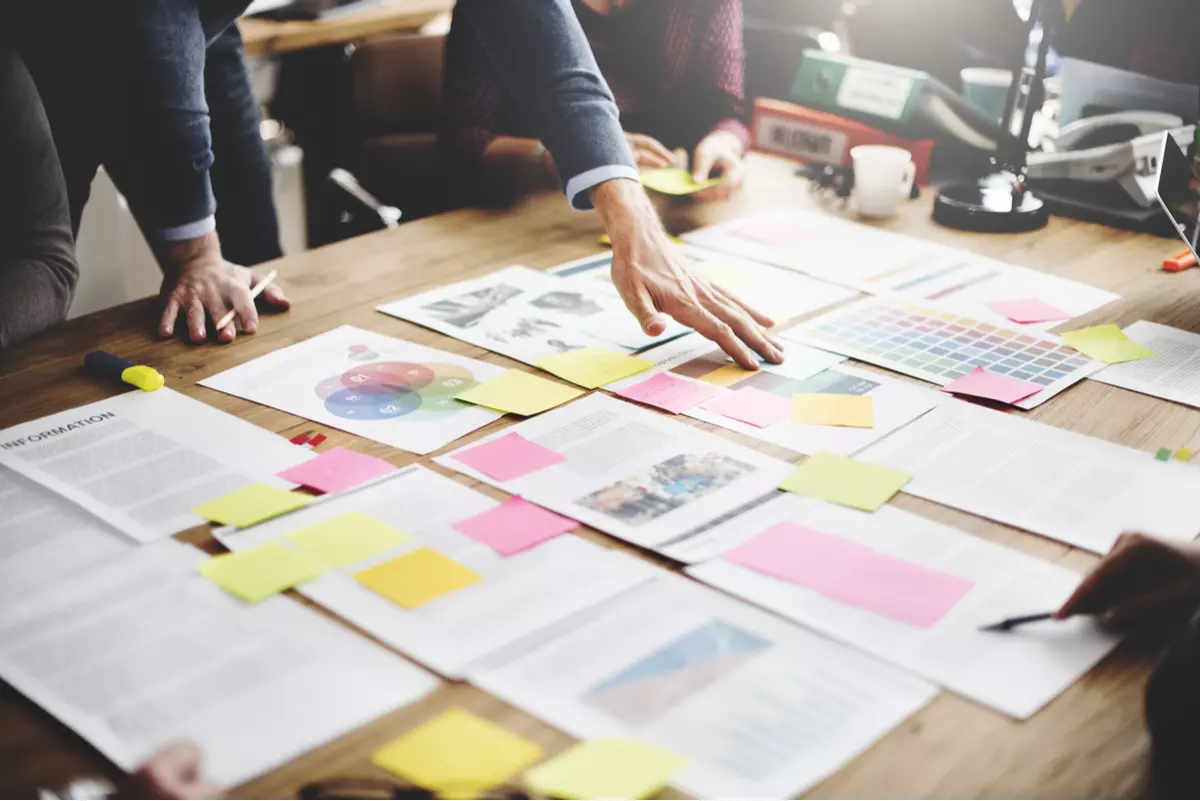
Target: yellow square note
(839,479)
(1106,343)
(417,577)
(519,392)
(608,768)
(458,754)
(830,409)
(675,181)
(343,540)
(260,572)
(250,505)
(727,376)
(593,367)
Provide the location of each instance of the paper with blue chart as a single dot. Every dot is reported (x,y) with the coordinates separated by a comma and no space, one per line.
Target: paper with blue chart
(375,386)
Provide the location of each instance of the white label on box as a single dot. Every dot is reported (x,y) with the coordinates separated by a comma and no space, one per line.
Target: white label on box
(802,140)
(873,92)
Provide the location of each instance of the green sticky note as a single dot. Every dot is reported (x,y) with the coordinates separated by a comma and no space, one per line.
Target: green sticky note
(1106,343)
(675,181)
(1163,455)
(519,392)
(845,481)
(607,768)
(262,571)
(343,540)
(250,505)
(458,754)
(593,367)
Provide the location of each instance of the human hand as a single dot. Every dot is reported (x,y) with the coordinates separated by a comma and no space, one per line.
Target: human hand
(648,152)
(173,772)
(198,279)
(1142,581)
(655,281)
(720,152)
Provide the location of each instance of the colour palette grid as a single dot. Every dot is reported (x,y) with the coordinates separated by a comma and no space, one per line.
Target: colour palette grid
(941,346)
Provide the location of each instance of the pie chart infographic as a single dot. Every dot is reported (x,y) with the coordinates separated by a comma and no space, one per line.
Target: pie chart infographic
(417,392)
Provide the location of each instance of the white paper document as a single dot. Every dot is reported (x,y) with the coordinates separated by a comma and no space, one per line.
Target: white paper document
(375,386)
(1067,486)
(1174,374)
(517,596)
(1016,672)
(140,461)
(143,651)
(634,473)
(761,707)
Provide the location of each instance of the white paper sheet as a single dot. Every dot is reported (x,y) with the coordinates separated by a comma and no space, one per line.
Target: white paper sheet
(519,595)
(634,473)
(368,384)
(763,708)
(1067,486)
(141,460)
(142,651)
(1016,672)
(1174,374)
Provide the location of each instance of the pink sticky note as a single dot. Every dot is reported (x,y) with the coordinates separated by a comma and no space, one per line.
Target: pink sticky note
(514,526)
(1029,310)
(751,405)
(979,383)
(771,231)
(337,470)
(668,392)
(508,457)
(853,574)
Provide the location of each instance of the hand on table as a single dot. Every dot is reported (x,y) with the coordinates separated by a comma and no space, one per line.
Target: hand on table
(719,153)
(656,282)
(648,152)
(173,772)
(1142,582)
(199,280)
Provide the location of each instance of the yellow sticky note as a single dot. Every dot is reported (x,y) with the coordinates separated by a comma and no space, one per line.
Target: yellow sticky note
(830,409)
(343,540)
(607,768)
(727,376)
(250,505)
(417,577)
(260,572)
(606,240)
(519,392)
(839,479)
(459,754)
(675,181)
(1106,343)
(593,367)
(1184,454)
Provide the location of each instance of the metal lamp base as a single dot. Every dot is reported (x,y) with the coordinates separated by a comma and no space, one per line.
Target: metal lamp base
(991,205)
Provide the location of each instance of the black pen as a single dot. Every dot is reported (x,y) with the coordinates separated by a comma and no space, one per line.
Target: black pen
(1013,622)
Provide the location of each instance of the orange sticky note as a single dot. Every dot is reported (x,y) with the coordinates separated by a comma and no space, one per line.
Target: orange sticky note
(417,577)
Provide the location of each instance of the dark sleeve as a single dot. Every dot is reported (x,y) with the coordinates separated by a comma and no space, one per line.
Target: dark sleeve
(473,97)
(37,254)
(541,53)
(725,70)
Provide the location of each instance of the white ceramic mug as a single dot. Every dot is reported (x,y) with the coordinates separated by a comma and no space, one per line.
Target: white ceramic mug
(883,179)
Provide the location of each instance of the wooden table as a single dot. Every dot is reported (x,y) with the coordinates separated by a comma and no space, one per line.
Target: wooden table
(265,37)
(1089,742)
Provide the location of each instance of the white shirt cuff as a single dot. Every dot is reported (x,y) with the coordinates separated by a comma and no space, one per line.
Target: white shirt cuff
(190,230)
(578,186)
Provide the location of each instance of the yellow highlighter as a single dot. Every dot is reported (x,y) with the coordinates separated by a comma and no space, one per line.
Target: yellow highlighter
(105,365)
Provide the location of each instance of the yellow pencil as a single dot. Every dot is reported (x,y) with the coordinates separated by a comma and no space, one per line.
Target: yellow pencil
(254,293)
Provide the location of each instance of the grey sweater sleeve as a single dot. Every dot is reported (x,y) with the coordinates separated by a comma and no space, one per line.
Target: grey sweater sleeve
(37,253)
(543,56)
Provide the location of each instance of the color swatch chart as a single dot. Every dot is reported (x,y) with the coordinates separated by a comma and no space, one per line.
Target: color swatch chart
(942,346)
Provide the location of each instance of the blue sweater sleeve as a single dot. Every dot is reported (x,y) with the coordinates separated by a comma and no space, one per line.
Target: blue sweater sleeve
(543,56)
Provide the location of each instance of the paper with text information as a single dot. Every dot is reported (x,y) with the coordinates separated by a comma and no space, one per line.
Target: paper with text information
(142,651)
(1016,673)
(1173,374)
(140,461)
(760,707)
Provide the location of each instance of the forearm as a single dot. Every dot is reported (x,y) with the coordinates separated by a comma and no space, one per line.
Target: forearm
(35,293)
(626,212)
(175,256)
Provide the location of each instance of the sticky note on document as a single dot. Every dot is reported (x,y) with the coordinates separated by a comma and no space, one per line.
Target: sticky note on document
(260,572)
(337,470)
(607,768)
(343,540)
(593,367)
(508,457)
(1106,343)
(752,406)
(514,526)
(519,392)
(418,577)
(1029,310)
(676,181)
(831,409)
(845,481)
(979,383)
(250,505)
(668,392)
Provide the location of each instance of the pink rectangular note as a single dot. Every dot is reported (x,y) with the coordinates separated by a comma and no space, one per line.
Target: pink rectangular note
(979,383)
(771,231)
(853,574)
(508,457)
(752,406)
(670,393)
(337,470)
(515,526)
(1029,310)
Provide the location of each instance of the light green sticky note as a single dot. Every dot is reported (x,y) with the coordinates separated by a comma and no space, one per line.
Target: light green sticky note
(519,392)
(262,571)
(607,768)
(250,505)
(593,367)
(1106,343)
(343,540)
(675,181)
(458,754)
(845,481)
